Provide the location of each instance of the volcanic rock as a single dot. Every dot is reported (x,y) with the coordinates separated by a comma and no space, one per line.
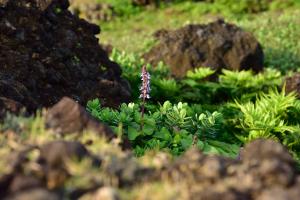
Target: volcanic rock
(266,171)
(47,53)
(292,84)
(67,116)
(265,165)
(217,45)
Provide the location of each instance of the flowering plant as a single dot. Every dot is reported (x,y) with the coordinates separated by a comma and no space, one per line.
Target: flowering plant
(145,91)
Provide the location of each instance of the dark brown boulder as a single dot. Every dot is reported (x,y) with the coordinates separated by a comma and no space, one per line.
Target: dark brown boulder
(292,84)
(47,53)
(67,116)
(217,45)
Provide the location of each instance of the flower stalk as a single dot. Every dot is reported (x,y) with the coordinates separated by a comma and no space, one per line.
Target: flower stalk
(145,92)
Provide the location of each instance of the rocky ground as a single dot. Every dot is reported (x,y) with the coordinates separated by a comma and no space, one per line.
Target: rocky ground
(47,53)
(82,165)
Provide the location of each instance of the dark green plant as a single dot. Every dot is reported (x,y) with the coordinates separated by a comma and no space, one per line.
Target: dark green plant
(173,127)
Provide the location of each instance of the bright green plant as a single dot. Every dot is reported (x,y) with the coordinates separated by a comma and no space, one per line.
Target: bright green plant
(200,73)
(269,117)
(173,127)
(247,84)
(231,85)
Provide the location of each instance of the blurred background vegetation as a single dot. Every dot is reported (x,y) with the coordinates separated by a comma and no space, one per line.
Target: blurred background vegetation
(275,23)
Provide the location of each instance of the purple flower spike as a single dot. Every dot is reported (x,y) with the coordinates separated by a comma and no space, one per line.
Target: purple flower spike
(145,92)
(145,88)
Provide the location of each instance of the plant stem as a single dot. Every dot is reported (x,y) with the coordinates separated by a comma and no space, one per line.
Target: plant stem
(142,113)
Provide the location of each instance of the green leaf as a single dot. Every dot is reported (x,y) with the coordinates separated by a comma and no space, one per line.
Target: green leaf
(190,82)
(225,149)
(133,133)
(148,129)
(187,142)
(150,121)
(176,139)
(93,104)
(210,149)
(163,134)
(200,144)
(200,73)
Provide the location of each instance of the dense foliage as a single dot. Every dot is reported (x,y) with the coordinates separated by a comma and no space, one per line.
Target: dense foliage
(217,116)
(172,127)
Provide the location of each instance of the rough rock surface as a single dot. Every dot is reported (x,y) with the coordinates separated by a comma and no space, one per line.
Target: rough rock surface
(47,53)
(292,84)
(67,116)
(265,165)
(217,45)
(265,171)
